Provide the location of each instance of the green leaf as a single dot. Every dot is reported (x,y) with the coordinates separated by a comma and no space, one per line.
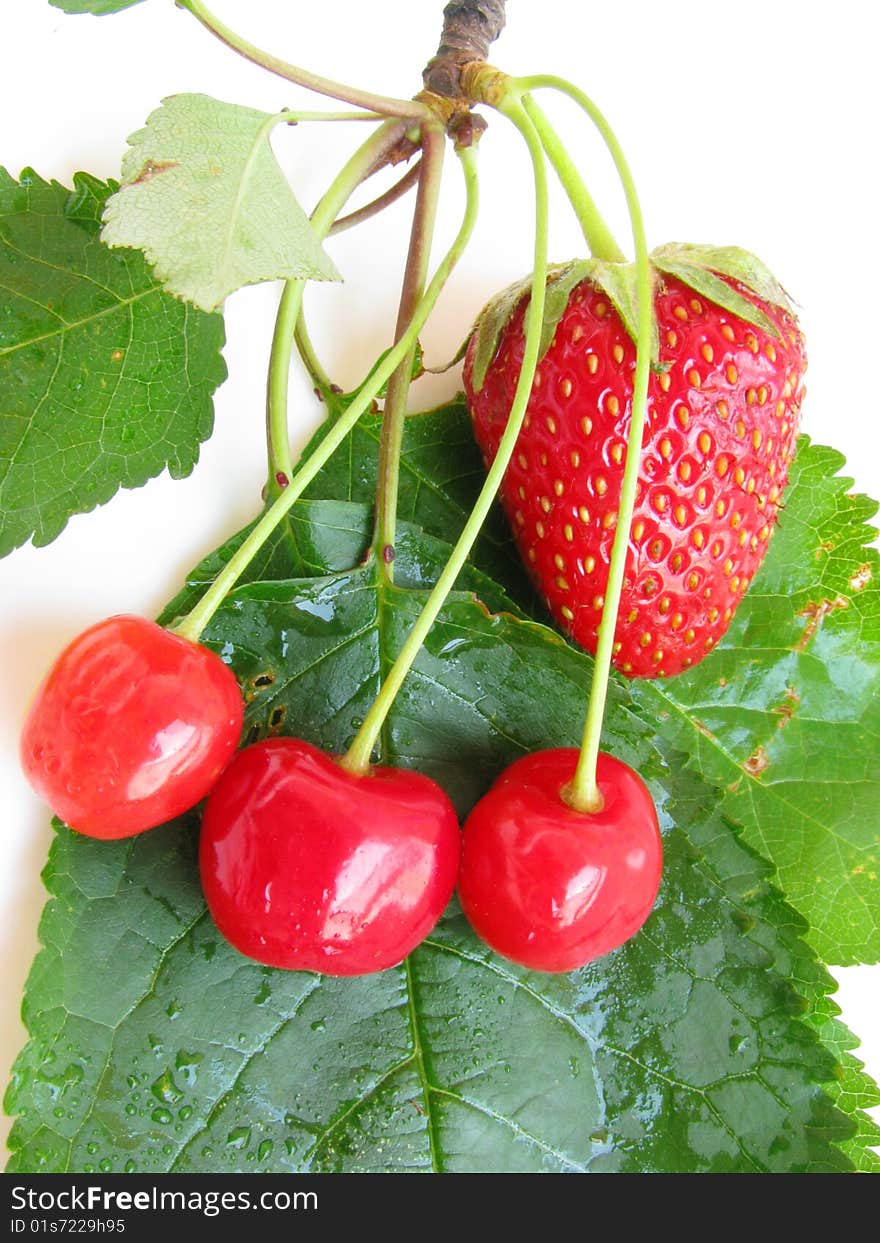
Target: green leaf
(154,1046)
(205,199)
(785,716)
(105,380)
(99,7)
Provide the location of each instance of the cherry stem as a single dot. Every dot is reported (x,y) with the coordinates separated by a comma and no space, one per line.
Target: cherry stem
(397,191)
(597,235)
(349,178)
(321,381)
(305,348)
(198,618)
(415,276)
(292,73)
(357,758)
(583,794)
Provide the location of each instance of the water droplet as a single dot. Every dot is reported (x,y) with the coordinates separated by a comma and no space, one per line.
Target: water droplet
(240,1137)
(91,1149)
(162,1116)
(165,1089)
(173,1009)
(129,1167)
(185,1113)
(105,1165)
(265,1150)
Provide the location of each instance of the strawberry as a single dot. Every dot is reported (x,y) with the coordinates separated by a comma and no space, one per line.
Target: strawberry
(723,411)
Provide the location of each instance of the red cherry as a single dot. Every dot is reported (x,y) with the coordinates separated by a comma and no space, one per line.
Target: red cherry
(310,867)
(553,888)
(131,727)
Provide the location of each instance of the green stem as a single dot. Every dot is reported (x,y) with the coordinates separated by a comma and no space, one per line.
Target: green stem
(415,276)
(348,179)
(583,794)
(314,82)
(198,618)
(406,183)
(305,348)
(294,118)
(357,758)
(598,236)
(308,357)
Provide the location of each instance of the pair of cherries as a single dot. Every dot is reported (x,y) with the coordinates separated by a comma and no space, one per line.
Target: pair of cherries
(310,867)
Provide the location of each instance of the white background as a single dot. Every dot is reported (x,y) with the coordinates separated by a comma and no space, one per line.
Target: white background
(752,124)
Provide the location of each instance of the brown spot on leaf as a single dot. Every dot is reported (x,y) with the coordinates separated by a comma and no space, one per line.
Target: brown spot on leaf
(815,614)
(704,729)
(786,710)
(152,169)
(861,578)
(263,679)
(757,762)
(276,717)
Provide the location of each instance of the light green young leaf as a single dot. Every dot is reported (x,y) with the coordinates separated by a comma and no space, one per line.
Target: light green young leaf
(100,8)
(205,199)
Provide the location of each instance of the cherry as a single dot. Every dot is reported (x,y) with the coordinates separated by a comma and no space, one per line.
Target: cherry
(131,726)
(552,888)
(313,868)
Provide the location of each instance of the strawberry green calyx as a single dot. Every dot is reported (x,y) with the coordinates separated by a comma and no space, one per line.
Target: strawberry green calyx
(617,280)
(701,268)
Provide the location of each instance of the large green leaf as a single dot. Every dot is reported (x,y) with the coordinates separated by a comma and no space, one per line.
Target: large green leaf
(205,199)
(154,1046)
(105,380)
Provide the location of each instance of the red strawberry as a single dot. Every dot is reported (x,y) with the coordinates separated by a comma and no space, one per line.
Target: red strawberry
(723,410)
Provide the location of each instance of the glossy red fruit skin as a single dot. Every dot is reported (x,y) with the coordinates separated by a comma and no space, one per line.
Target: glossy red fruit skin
(131,726)
(311,868)
(722,423)
(551,888)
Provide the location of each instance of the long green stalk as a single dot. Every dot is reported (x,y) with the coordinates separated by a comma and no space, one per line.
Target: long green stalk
(357,758)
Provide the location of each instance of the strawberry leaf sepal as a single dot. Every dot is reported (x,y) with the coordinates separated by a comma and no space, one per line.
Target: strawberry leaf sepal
(617,280)
(702,268)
